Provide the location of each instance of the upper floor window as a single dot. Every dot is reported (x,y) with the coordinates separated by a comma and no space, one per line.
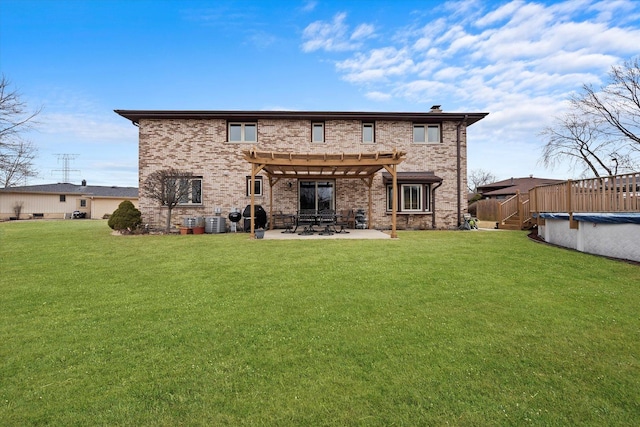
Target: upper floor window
(368,133)
(243,132)
(257,186)
(426,134)
(190,191)
(317,132)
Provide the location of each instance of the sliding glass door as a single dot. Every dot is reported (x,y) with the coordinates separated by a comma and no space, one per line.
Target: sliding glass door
(317,195)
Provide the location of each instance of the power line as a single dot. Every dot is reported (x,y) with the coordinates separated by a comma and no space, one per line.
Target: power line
(66,165)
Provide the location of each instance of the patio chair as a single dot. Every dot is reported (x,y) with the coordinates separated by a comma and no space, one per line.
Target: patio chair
(345,219)
(327,219)
(283,220)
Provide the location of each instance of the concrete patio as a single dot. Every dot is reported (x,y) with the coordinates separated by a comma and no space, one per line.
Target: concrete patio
(352,234)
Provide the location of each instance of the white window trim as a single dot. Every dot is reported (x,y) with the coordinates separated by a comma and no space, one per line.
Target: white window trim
(426,128)
(242,132)
(313,134)
(258,180)
(402,198)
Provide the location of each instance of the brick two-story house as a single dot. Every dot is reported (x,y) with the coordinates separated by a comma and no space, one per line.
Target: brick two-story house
(311,160)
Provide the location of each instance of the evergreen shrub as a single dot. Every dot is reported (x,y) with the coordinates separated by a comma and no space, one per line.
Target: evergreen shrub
(126,217)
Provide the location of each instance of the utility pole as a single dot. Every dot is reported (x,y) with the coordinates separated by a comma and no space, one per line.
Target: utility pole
(66,165)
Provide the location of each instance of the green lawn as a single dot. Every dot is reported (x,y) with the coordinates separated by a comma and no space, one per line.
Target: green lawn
(434,328)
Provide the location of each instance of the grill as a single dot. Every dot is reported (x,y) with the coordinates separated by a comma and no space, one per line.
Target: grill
(260,218)
(235,217)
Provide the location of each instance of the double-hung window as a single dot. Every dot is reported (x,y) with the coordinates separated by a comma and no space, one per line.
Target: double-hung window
(368,133)
(257,186)
(317,132)
(411,197)
(426,134)
(243,132)
(190,191)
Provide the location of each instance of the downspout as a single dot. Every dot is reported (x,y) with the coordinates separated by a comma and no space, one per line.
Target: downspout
(433,204)
(459,167)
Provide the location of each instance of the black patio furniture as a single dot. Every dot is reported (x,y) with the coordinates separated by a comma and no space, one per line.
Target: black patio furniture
(327,219)
(345,219)
(284,220)
(307,218)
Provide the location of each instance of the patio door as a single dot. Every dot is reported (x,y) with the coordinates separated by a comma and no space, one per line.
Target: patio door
(317,195)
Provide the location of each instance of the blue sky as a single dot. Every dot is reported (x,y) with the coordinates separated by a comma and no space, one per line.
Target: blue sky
(517,60)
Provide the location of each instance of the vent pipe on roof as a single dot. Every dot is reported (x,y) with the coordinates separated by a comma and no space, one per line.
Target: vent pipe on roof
(435,109)
(84,182)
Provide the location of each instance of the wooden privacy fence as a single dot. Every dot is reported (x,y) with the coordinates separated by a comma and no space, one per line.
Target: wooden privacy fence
(619,193)
(488,209)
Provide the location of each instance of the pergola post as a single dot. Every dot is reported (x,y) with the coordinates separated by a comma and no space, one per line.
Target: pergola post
(394,198)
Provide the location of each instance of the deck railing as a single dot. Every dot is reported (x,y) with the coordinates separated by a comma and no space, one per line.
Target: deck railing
(619,193)
(516,208)
(509,208)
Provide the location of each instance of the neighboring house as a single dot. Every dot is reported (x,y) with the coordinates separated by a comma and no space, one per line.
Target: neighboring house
(53,201)
(512,186)
(311,162)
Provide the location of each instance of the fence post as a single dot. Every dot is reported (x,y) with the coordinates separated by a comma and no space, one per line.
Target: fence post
(520,210)
(573,224)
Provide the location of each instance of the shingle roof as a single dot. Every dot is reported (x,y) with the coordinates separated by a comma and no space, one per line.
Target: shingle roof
(513,185)
(66,188)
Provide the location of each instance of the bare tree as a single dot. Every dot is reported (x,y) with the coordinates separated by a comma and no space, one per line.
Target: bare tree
(617,103)
(16,162)
(16,154)
(17,209)
(168,187)
(478,178)
(601,133)
(581,143)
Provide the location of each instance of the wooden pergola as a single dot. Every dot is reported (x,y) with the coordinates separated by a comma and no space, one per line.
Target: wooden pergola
(279,165)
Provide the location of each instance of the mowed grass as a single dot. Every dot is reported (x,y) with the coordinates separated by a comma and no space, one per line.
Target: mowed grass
(461,328)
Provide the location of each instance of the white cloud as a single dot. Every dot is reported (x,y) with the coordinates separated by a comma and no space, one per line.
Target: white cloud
(335,36)
(378,96)
(500,14)
(363,31)
(309,6)
(377,65)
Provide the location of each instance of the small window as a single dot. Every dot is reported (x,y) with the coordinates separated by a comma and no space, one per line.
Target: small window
(367,133)
(257,186)
(83,203)
(191,191)
(426,134)
(63,198)
(317,132)
(243,132)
